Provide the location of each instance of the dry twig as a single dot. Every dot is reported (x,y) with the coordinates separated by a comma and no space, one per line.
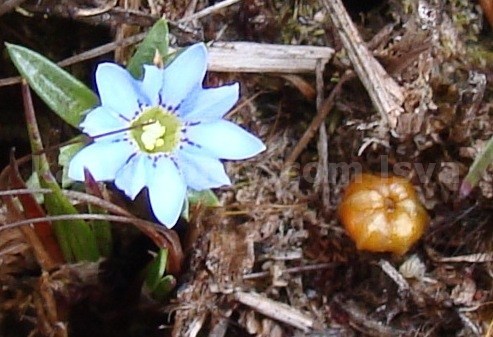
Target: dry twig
(276,310)
(87,55)
(208,10)
(294,270)
(395,276)
(322,113)
(387,96)
(9,5)
(249,57)
(322,177)
(48,320)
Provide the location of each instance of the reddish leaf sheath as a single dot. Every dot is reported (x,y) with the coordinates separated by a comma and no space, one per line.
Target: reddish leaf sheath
(33,210)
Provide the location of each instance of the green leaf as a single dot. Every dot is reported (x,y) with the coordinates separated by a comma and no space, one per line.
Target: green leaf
(185,210)
(156,40)
(156,282)
(67,152)
(33,183)
(64,94)
(75,236)
(156,269)
(100,228)
(164,287)
(477,169)
(205,197)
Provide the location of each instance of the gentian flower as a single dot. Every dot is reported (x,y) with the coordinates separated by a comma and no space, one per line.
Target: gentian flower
(165,132)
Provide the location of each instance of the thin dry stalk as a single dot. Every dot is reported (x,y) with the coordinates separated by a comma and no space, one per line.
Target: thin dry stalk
(276,310)
(208,11)
(322,177)
(48,321)
(9,5)
(395,276)
(387,96)
(122,54)
(322,113)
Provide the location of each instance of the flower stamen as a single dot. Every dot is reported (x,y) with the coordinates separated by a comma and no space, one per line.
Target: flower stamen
(156,130)
(152,135)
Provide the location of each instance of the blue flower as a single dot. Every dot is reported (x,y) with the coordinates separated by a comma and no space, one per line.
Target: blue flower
(165,132)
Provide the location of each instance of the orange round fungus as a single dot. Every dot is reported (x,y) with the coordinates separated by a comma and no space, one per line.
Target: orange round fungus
(382,214)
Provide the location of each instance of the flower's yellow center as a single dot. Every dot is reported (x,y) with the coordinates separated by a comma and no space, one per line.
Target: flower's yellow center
(152,135)
(156,130)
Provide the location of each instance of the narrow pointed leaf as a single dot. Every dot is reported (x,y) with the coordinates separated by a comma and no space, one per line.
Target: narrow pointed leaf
(68,97)
(100,228)
(185,211)
(157,40)
(67,152)
(477,169)
(156,282)
(77,233)
(156,269)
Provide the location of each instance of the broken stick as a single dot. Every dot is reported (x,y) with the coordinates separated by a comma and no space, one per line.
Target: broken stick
(387,96)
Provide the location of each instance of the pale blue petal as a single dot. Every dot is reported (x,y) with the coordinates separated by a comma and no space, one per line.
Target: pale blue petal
(209,104)
(184,74)
(118,90)
(152,83)
(131,178)
(166,191)
(223,139)
(102,120)
(202,172)
(103,159)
